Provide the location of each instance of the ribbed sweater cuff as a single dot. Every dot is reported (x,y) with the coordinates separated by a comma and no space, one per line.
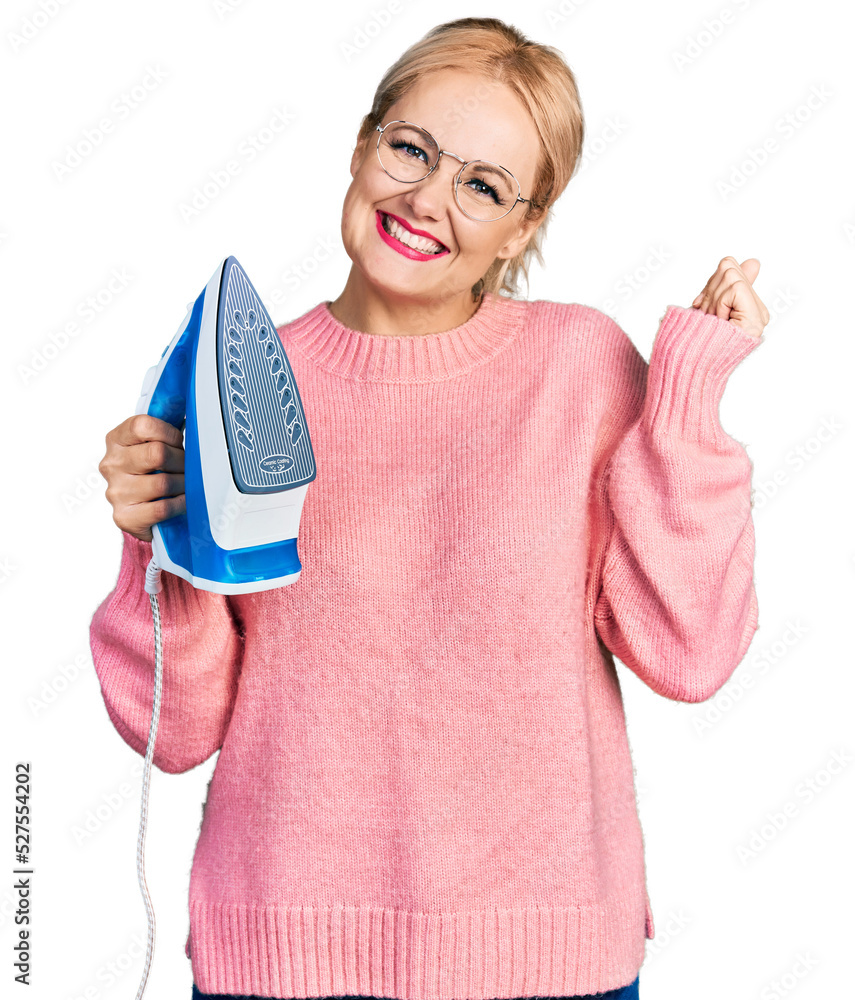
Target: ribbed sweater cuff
(178,599)
(693,355)
(130,596)
(137,553)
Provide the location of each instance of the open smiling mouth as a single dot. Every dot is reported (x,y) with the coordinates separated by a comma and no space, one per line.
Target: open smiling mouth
(402,236)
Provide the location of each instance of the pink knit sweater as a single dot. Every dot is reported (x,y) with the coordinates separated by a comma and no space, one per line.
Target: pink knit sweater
(424,787)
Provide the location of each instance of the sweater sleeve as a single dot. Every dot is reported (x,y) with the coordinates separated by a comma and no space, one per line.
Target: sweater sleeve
(674,594)
(202,648)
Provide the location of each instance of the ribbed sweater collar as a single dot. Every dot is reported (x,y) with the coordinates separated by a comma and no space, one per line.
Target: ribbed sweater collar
(411,358)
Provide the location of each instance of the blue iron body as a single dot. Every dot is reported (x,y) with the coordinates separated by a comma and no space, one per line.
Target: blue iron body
(226,381)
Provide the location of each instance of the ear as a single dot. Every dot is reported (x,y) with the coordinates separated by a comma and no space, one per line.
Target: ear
(524,233)
(359,153)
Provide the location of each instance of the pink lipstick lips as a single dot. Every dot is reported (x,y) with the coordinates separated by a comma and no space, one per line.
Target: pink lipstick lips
(402,248)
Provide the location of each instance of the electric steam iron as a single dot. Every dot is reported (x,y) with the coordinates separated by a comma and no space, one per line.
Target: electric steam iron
(226,381)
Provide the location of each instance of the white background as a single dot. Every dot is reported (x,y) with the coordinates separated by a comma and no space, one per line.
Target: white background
(664,135)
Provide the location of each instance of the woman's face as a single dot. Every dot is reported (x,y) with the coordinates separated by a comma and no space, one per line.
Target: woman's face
(476,118)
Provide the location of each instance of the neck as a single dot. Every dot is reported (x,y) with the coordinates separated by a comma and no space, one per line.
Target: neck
(368,309)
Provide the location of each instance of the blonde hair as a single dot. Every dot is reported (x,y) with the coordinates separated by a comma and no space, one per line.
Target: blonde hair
(539,77)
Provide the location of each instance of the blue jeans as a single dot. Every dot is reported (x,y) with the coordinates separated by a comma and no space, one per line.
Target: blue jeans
(624,993)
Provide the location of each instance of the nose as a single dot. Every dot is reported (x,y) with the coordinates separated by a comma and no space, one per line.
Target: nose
(432,196)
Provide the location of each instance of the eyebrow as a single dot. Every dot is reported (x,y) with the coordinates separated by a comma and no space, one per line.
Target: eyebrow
(485,168)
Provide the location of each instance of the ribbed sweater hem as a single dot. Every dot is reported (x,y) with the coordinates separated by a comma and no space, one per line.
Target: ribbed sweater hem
(306,951)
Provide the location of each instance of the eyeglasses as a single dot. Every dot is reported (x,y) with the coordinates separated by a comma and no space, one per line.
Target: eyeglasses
(483,190)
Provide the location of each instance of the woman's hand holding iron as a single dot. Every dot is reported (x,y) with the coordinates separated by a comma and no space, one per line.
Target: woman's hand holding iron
(138,447)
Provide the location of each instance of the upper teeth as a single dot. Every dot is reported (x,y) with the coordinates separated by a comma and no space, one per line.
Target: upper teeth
(410,239)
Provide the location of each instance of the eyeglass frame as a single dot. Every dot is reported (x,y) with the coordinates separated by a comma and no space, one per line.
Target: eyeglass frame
(464,164)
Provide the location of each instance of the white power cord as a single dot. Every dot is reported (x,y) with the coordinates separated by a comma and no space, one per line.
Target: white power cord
(152,587)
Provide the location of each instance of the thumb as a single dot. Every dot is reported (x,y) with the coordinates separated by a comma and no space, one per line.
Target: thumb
(751,268)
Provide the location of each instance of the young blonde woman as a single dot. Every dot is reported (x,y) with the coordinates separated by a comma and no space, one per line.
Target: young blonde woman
(424,788)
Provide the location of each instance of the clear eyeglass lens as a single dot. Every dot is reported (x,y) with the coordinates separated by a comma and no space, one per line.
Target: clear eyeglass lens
(485,190)
(406,152)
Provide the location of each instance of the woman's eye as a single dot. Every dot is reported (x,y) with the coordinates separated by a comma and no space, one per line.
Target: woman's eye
(411,150)
(485,189)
